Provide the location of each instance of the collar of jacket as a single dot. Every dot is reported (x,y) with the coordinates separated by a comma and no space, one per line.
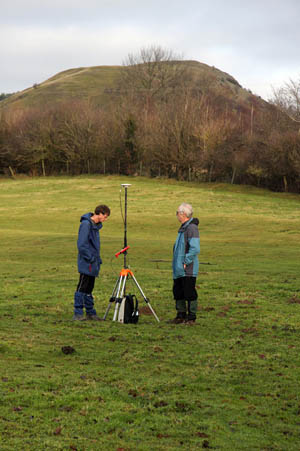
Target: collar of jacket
(87,217)
(96,226)
(184,225)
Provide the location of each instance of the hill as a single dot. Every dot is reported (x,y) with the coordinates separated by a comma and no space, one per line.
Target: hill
(178,119)
(100,83)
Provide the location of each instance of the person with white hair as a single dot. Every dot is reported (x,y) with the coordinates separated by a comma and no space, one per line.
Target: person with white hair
(186,266)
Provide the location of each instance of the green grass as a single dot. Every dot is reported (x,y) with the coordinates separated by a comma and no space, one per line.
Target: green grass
(229,382)
(81,83)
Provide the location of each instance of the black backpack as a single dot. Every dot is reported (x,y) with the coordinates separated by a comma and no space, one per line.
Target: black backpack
(131,310)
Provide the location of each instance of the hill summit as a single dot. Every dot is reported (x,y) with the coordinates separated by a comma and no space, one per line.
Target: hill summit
(100,84)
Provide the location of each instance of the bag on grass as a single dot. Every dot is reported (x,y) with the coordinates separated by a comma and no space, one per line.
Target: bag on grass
(129,310)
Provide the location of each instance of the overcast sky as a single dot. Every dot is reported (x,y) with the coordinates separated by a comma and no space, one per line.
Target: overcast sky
(257,42)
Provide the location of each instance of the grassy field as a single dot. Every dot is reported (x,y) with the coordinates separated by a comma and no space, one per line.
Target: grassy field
(229,382)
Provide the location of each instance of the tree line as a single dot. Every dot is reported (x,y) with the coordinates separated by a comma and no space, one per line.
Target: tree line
(159,125)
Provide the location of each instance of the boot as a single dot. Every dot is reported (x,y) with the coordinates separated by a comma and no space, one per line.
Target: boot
(78,318)
(177,320)
(180,318)
(94,318)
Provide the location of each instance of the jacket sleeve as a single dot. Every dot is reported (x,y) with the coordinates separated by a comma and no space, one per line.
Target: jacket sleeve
(193,241)
(83,241)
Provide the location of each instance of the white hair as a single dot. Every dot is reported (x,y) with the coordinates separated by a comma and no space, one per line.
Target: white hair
(187,209)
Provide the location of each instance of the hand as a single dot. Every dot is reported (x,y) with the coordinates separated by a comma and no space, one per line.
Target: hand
(184,266)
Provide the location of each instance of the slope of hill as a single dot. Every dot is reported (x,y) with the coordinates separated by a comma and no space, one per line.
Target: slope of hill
(99,83)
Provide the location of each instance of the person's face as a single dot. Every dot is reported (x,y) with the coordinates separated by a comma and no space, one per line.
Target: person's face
(101,217)
(181,217)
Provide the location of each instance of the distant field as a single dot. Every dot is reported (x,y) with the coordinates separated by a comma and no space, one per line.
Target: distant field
(229,382)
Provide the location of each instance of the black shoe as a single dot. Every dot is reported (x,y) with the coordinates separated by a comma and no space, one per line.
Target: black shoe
(94,318)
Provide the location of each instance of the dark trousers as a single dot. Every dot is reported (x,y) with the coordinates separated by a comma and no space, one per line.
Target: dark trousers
(185,295)
(83,296)
(86,284)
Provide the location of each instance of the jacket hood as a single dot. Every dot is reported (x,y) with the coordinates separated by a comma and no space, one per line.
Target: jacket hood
(87,217)
(195,221)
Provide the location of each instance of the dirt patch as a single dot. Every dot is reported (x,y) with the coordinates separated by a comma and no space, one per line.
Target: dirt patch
(145,310)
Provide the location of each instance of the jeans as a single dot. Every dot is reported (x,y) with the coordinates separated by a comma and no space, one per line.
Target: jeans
(83,300)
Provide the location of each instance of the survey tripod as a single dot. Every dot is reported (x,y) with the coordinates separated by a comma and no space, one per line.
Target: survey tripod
(119,291)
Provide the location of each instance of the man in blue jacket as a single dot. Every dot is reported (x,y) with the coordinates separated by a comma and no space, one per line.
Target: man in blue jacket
(88,261)
(186,266)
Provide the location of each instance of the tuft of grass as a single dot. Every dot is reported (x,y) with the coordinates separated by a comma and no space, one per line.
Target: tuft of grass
(229,382)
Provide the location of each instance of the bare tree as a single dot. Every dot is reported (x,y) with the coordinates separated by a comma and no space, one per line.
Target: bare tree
(78,135)
(31,143)
(287,99)
(152,73)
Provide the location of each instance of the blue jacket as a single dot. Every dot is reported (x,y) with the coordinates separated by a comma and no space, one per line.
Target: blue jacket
(186,250)
(88,245)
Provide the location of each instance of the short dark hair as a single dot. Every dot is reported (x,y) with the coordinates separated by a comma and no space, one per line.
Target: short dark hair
(104,209)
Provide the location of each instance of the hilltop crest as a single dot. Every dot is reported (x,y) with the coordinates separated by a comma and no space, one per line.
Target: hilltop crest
(99,84)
